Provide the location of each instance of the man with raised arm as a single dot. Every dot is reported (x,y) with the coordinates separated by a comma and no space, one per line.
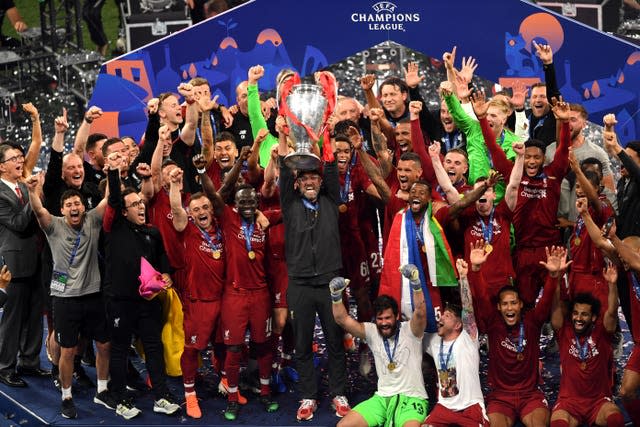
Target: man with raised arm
(586,356)
(401,399)
(200,238)
(75,286)
(514,342)
(309,202)
(455,350)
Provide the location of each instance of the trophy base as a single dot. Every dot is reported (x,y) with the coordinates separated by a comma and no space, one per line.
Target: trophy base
(302,161)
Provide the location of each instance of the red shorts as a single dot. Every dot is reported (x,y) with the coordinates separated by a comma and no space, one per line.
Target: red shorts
(278,282)
(200,320)
(242,309)
(473,416)
(582,409)
(515,405)
(530,274)
(633,364)
(354,259)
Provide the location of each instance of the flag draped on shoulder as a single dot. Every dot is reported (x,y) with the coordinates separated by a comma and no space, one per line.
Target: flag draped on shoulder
(403,247)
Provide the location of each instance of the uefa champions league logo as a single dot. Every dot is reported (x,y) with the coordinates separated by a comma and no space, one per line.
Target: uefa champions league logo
(385,17)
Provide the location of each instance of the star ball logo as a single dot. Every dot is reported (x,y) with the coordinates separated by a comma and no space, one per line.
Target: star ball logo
(385,17)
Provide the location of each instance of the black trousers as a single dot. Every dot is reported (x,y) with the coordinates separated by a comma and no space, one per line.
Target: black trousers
(304,302)
(21,324)
(92,14)
(144,319)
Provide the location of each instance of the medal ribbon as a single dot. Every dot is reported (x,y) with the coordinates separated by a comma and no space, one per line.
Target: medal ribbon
(395,345)
(445,362)
(520,344)
(419,234)
(487,230)
(344,190)
(584,348)
(247,229)
(309,205)
(579,226)
(207,237)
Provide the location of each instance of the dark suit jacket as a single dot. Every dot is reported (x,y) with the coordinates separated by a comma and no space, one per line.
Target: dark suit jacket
(3,298)
(17,232)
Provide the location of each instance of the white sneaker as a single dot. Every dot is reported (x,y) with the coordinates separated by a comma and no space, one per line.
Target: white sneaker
(306,409)
(165,406)
(127,411)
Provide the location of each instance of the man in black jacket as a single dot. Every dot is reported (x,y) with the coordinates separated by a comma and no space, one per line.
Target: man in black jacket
(312,251)
(128,240)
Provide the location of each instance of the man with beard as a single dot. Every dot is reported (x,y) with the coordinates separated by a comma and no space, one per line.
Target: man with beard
(456,345)
(312,239)
(586,356)
(542,122)
(581,147)
(514,347)
(77,303)
(201,238)
(416,237)
(535,215)
(401,399)
(450,136)
(246,297)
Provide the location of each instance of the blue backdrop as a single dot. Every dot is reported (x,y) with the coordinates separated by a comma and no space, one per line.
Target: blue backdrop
(597,70)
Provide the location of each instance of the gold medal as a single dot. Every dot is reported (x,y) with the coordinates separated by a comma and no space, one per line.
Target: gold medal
(583,366)
(252,255)
(424,248)
(520,357)
(215,254)
(391,366)
(343,208)
(577,241)
(488,248)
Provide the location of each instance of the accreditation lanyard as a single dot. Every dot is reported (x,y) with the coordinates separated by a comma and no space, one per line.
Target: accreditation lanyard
(487,229)
(74,250)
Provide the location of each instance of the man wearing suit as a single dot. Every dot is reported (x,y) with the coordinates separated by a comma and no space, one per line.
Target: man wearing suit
(21,322)
(5,278)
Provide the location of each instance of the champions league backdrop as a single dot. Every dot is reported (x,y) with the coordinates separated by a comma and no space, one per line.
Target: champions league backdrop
(599,71)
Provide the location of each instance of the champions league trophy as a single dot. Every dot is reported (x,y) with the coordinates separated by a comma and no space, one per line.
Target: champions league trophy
(306,104)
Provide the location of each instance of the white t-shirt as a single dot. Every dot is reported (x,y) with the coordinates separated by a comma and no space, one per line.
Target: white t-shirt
(406,377)
(458,385)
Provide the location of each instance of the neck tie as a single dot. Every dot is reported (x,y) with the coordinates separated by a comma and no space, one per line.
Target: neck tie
(19,193)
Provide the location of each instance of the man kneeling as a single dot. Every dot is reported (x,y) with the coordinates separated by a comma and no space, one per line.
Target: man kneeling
(397,350)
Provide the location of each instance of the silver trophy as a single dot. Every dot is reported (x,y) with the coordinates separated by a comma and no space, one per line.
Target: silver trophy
(307,103)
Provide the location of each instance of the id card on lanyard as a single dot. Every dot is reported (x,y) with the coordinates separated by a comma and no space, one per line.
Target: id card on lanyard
(59,279)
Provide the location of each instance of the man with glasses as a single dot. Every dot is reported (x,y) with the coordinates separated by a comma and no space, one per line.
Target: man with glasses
(21,323)
(129,241)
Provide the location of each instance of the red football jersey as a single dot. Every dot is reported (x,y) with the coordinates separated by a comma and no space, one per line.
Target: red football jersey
(160,216)
(204,263)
